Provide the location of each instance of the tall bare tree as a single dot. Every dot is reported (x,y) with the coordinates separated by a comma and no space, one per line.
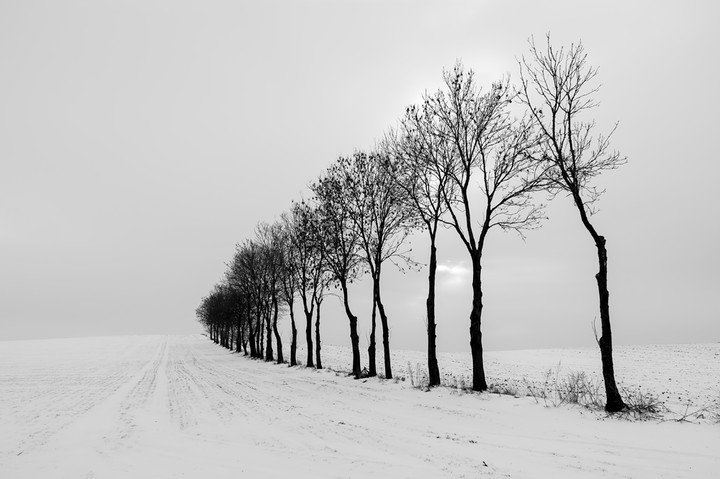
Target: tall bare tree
(491,176)
(288,279)
(559,88)
(244,274)
(306,243)
(381,220)
(341,243)
(269,236)
(420,168)
(325,281)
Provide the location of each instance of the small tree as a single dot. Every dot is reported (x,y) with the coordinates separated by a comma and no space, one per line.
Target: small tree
(489,148)
(558,87)
(221,313)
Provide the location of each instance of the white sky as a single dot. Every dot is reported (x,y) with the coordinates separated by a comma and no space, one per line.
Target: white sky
(140,140)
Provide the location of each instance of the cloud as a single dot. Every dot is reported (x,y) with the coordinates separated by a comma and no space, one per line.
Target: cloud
(453,275)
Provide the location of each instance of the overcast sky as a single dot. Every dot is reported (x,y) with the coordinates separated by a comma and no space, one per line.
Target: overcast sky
(140,140)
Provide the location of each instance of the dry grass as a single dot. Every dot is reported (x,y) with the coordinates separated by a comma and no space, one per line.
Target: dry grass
(642,404)
(419,378)
(571,388)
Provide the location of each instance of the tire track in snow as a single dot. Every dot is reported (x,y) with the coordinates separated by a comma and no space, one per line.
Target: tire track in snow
(332,431)
(182,406)
(143,385)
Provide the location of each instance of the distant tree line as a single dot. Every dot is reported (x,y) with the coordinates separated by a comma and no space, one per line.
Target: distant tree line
(468,158)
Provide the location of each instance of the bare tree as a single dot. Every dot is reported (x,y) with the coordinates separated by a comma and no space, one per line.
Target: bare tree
(341,244)
(380,219)
(323,285)
(221,312)
(266,302)
(559,88)
(491,149)
(241,320)
(306,243)
(270,239)
(243,274)
(288,279)
(420,165)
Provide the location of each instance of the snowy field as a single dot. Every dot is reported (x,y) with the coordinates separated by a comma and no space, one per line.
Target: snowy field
(685,377)
(181,406)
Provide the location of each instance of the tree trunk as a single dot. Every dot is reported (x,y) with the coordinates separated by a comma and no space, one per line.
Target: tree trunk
(433,369)
(371,348)
(308,338)
(251,333)
(238,340)
(293,341)
(354,338)
(614,402)
(261,335)
(318,362)
(278,340)
(479,383)
(268,341)
(386,330)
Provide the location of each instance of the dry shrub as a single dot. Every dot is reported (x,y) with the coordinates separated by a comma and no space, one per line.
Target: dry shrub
(418,377)
(504,389)
(576,387)
(642,404)
(451,380)
(573,388)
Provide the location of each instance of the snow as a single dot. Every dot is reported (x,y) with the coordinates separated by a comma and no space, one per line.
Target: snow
(181,406)
(683,376)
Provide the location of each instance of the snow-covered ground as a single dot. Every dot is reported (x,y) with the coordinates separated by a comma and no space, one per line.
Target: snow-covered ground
(684,377)
(180,406)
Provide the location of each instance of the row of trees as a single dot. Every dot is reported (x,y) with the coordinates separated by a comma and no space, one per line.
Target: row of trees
(466,158)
